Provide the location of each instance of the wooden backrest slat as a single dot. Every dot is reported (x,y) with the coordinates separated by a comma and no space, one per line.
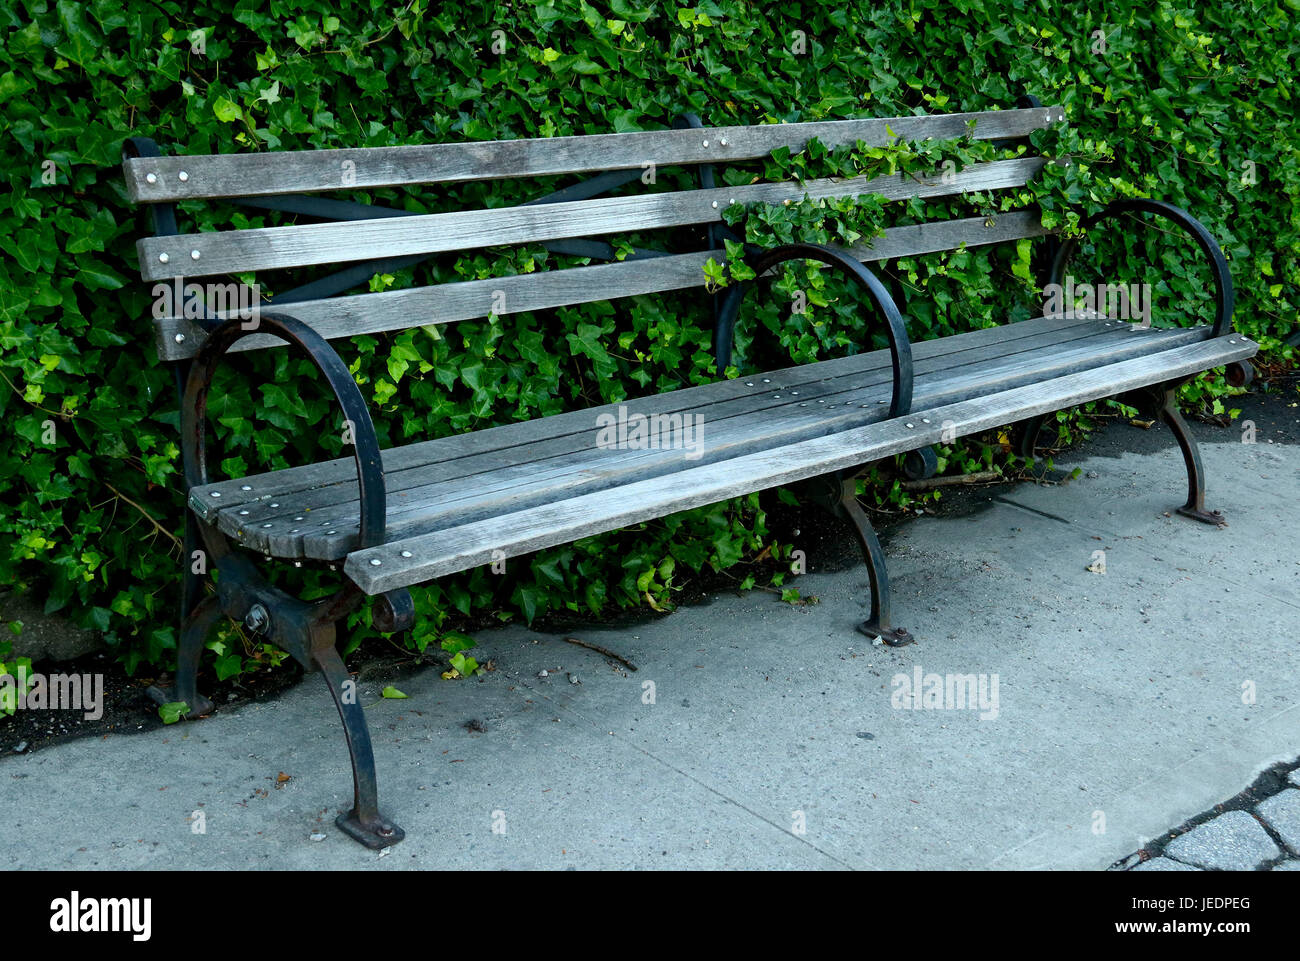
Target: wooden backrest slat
(467,300)
(270,248)
(246,175)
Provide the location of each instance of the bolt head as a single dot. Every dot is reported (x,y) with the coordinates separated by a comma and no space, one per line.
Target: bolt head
(179,338)
(194,255)
(182,176)
(151,178)
(375,562)
(163,258)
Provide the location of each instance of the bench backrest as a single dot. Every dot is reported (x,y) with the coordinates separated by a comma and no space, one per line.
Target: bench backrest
(375,238)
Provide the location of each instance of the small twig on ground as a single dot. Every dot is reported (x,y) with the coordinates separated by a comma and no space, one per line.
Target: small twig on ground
(980,477)
(600,650)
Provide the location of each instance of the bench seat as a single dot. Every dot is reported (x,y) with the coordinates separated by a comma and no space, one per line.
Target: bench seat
(453,501)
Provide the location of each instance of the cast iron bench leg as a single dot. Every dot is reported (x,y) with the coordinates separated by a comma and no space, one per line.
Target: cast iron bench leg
(1195,506)
(1028,447)
(184,687)
(363,823)
(878,624)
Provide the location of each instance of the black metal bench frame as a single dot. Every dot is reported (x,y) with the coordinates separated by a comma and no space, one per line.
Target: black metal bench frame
(307,631)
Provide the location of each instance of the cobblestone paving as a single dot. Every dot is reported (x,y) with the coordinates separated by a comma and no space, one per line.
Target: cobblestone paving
(1258,830)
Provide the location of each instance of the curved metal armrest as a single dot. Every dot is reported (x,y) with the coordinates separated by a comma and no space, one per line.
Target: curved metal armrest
(760,261)
(1204,239)
(365,444)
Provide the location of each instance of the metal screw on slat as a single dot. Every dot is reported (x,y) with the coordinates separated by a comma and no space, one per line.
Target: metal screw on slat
(216,494)
(297,518)
(265,526)
(275,505)
(257,619)
(182,176)
(151,178)
(406,553)
(714,205)
(911,425)
(194,255)
(163,258)
(245,487)
(925,420)
(180,338)
(375,562)
(242,513)
(706,143)
(331,532)
(723,141)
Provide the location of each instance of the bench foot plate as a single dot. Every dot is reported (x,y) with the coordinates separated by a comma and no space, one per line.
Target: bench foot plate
(198,704)
(892,636)
(1205,517)
(375,833)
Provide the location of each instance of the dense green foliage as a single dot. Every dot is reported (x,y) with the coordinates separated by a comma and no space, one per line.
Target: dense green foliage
(1191,103)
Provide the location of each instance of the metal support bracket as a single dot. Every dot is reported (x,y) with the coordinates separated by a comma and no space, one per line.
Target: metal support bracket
(838,494)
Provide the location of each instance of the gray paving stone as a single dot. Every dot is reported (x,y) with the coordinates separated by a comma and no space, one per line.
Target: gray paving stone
(1282,812)
(1165,864)
(1288,866)
(1234,841)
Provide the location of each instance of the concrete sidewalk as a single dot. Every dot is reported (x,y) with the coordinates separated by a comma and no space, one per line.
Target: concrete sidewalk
(772,740)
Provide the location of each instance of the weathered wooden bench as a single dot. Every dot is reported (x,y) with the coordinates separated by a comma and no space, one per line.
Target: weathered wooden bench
(395,518)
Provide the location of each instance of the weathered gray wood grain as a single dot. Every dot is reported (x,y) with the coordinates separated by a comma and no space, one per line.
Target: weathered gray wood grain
(330,533)
(271,248)
(471,545)
(374,313)
(732,411)
(873,366)
(277,172)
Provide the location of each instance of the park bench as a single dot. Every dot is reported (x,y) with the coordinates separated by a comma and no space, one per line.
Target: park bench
(395,518)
